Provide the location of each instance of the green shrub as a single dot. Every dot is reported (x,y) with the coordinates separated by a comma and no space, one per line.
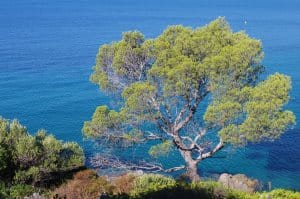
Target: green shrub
(151,183)
(207,186)
(21,190)
(3,191)
(234,194)
(29,159)
(216,190)
(86,184)
(280,194)
(3,158)
(158,187)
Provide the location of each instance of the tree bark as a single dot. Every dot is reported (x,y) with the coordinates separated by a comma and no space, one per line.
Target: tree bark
(191,166)
(192,172)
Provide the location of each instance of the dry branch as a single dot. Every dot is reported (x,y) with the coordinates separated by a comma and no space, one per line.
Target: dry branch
(106,162)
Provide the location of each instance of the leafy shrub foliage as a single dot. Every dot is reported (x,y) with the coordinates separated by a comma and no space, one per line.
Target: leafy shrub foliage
(151,183)
(21,190)
(281,194)
(87,185)
(28,161)
(3,191)
(161,187)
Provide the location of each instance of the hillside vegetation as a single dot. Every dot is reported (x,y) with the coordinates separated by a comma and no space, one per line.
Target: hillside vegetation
(88,185)
(29,162)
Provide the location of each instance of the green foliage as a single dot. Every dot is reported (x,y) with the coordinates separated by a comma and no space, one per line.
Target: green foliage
(27,159)
(163,187)
(182,61)
(126,59)
(281,194)
(4,193)
(161,149)
(3,159)
(164,82)
(86,184)
(266,119)
(257,116)
(151,183)
(103,120)
(71,155)
(137,97)
(32,174)
(157,186)
(21,190)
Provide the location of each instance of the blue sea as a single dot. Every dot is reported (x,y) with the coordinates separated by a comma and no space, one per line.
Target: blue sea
(48,48)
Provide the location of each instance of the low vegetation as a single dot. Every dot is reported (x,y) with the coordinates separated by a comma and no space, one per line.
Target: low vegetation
(87,185)
(32,162)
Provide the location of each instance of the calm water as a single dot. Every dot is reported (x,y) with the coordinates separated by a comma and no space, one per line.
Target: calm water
(47,49)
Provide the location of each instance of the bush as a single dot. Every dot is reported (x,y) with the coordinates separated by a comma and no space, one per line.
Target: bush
(281,194)
(124,184)
(85,185)
(21,190)
(157,186)
(234,194)
(209,187)
(151,183)
(3,191)
(28,159)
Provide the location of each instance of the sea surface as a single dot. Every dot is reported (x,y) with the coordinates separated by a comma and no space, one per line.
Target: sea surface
(48,48)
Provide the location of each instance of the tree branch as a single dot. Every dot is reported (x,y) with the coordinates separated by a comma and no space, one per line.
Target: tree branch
(219,146)
(193,142)
(178,142)
(166,122)
(105,162)
(192,109)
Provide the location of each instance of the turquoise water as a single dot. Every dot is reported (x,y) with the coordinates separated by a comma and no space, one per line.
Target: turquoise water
(47,49)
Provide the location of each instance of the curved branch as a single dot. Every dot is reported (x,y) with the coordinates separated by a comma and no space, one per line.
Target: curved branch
(178,142)
(194,141)
(219,146)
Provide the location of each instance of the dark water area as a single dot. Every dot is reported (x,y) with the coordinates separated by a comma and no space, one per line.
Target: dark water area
(47,50)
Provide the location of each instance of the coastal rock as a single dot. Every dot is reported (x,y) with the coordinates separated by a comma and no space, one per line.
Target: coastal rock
(240,182)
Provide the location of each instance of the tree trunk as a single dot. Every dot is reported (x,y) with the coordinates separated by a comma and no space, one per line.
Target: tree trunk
(191,166)
(192,172)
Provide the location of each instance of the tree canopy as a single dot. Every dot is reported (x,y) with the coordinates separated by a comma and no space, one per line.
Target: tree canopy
(194,90)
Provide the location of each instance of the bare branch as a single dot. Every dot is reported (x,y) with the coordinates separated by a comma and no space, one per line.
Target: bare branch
(166,122)
(178,142)
(125,138)
(173,169)
(219,146)
(201,133)
(196,96)
(105,162)
(193,142)
(192,110)
(182,111)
